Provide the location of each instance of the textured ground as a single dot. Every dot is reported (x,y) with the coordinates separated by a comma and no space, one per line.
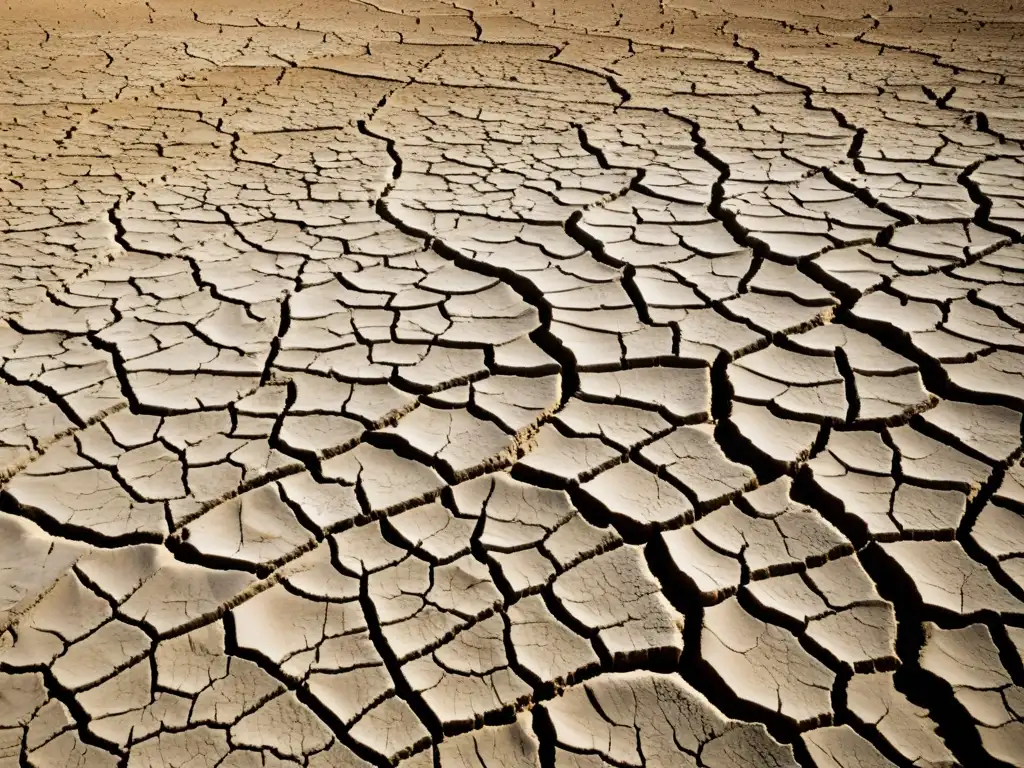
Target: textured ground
(476,384)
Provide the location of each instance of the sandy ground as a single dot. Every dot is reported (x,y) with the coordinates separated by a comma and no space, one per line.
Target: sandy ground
(511,384)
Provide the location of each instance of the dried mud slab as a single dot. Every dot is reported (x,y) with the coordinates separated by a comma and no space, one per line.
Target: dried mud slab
(511,383)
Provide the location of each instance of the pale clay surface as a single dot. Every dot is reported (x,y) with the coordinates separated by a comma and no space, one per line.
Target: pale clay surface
(511,383)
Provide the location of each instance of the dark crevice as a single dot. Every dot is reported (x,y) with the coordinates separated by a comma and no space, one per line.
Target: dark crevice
(301,693)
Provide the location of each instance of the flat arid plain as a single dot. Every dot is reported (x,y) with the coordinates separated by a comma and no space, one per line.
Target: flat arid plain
(511,384)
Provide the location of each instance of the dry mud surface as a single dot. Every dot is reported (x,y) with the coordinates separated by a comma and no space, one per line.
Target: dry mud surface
(484,385)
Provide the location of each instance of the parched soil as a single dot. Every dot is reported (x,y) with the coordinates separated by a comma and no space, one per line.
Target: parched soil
(511,383)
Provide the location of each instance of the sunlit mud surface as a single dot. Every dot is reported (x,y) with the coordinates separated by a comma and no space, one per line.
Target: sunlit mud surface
(511,384)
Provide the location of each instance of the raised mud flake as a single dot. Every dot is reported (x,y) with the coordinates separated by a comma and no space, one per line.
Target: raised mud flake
(378,403)
(319,433)
(348,693)
(1011,489)
(1000,533)
(890,398)
(237,688)
(433,530)
(33,562)
(861,451)
(126,707)
(713,574)
(69,749)
(391,729)
(79,378)
(859,634)
(162,593)
(998,374)
(875,702)
(256,528)
(704,333)
(768,534)
(468,678)
(523,356)
(791,246)
(992,430)
(463,443)
(854,469)
(983,325)
(801,384)
(968,661)
(867,356)
(517,402)
(152,471)
(68,612)
(328,506)
(927,460)
(500,746)
(388,481)
(418,605)
(70,491)
(110,648)
(546,648)
(615,597)
(786,279)
(1004,295)
(808,534)
(842,747)
(48,722)
(928,512)
(363,550)
(301,635)
(23,695)
(777,314)
(285,725)
(765,665)
(640,718)
(224,456)
(946,240)
(746,742)
(337,755)
(999,177)
(917,320)
(518,546)
(577,540)
(201,746)
(682,393)
(623,426)
(843,582)
(838,610)
(691,456)
(515,514)
(783,442)
(189,392)
(568,460)
(29,422)
(525,571)
(664,293)
(945,577)
(634,497)
(190,662)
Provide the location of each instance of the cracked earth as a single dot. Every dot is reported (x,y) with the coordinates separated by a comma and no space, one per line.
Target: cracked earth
(480,384)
